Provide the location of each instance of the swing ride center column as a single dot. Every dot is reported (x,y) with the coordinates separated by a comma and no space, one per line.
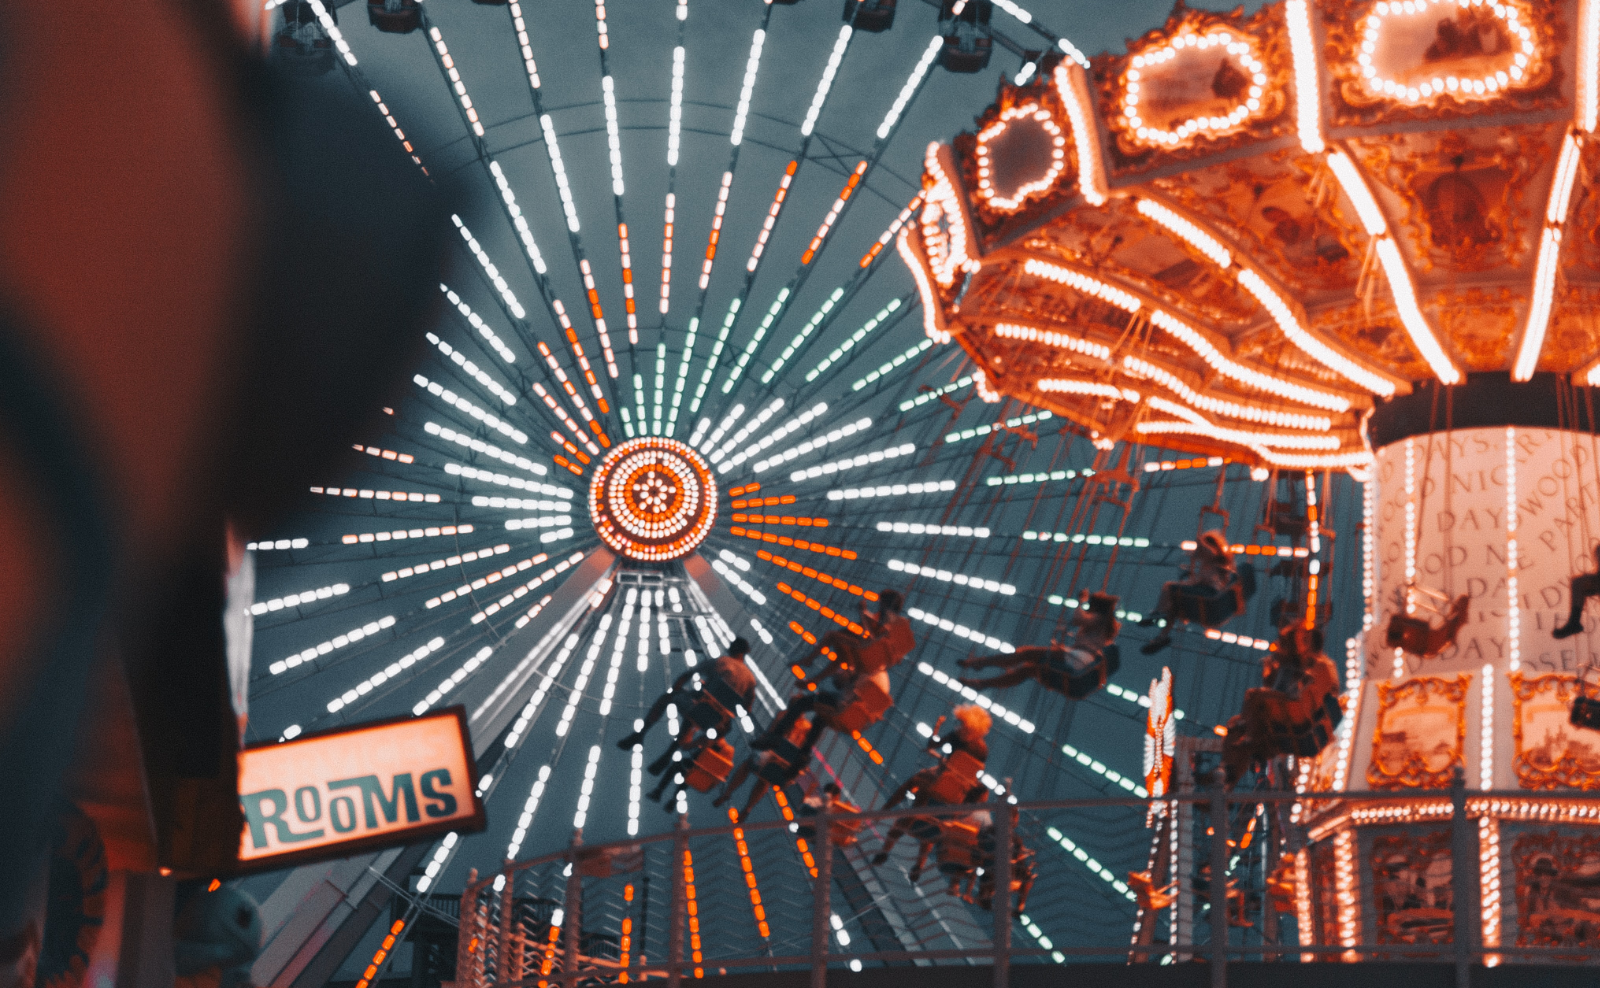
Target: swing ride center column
(1481,507)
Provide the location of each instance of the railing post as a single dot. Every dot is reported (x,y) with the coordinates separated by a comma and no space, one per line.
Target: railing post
(572,919)
(822,896)
(1464,879)
(466,962)
(1000,903)
(502,963)
(677,904)
(1219,879)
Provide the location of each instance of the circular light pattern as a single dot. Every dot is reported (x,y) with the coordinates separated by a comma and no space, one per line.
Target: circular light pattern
(653,499)
(1490,83)
(1012,118)
(1251,81)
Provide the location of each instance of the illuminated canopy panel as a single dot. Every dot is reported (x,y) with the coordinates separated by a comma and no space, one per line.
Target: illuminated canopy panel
(1236,236)
(653,499)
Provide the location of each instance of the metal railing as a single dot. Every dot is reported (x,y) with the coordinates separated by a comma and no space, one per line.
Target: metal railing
(767,896)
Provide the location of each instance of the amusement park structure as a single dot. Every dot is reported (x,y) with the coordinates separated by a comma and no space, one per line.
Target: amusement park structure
(1341,235)
(1171,325)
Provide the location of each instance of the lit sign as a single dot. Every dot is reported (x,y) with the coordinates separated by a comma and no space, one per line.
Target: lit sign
(380,784)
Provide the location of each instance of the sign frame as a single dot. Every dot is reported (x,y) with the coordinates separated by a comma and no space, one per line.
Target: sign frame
(476,823)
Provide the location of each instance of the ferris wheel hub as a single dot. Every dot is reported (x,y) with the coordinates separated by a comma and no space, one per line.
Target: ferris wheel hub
(653,499)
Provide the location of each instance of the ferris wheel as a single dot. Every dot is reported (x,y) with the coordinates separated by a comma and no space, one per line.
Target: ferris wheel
(713,408)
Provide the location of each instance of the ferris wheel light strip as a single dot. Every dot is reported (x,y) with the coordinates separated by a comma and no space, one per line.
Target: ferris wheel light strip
(525,821)
(755,339)
(577,351)
(854,338)
(861,460)
(1099,768)
(771,221)
(891,490)
(722,428)
(1545,271)
(675,114)
(586,792)
(619,643)
(811,445)
(524,43)
(388,117)
(297,599)
(455,80)
(716,228)
(391,671)
(891,366)
(1011,423)
(936,393)
(805,333)
(548,521)
(524,233)
(909,89)
(608,90)
(826,82)
(1307,87)
(473,370)
(798,422)
(411,496)
(730,574)
(473,473)
(566,419)
(334,33)
(752,65)
(889,234)
(572,392)
(946,576)
(553,150)
(949,682)
(340,641)
(582,680)
(744,432)
(788,542)
(489,269)
(599,316)
(683,374)
(849,189)
(397,535)
(818,575)
(486,580)
(919,528)
(482,327)
(466,557)
(1094,866)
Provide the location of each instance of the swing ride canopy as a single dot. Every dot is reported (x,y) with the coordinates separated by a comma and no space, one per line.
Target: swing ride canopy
(1239,234)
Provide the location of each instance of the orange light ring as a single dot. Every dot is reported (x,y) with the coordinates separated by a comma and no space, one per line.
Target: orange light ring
(653,499)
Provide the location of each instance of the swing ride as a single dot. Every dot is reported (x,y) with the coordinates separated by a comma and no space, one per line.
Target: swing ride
(1214,301)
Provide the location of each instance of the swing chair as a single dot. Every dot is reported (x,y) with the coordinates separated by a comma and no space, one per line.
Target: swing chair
(1416,633)
(1213,608)
(711,766)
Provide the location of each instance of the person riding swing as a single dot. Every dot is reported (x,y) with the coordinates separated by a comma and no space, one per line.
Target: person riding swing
(1074,671)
